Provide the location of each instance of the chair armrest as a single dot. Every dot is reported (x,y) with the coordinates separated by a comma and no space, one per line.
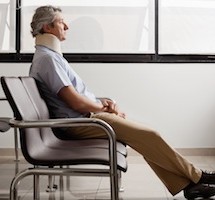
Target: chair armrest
(4,124)
(67,122)
(59,122)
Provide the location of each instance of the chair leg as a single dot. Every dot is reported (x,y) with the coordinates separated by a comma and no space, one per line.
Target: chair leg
(14,185)
(68,181)
(36,187)
(14,194)
(114,186)
(121,188)
(16,148)
(61,187)
(52,187)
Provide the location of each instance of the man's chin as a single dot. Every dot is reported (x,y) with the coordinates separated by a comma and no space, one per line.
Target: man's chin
(62,39)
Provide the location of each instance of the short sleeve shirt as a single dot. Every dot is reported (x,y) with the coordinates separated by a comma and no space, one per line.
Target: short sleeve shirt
(53,72)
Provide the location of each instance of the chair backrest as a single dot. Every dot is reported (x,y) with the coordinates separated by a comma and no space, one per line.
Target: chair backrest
(18,98)
(19,92)
(31,88)
(30,85)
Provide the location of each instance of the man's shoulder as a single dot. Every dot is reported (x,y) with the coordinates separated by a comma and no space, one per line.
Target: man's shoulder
(44,54)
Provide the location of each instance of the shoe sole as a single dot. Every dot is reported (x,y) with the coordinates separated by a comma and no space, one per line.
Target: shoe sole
(194,196)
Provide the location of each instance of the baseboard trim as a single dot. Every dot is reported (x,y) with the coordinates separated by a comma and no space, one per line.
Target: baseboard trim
(9,152)
(184,151)
(196,151)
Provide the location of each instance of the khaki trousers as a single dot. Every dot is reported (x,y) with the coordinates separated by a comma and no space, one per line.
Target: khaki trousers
(172,169)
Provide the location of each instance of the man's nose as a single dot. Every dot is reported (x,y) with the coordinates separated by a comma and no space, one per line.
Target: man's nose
(65,26)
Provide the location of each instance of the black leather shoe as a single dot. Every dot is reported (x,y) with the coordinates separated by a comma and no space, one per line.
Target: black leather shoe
(208,178)
(199,190)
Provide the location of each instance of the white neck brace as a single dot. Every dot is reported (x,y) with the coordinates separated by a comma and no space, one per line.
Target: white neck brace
(50,41)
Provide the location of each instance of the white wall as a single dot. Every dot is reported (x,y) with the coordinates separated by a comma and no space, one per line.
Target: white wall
(178,100)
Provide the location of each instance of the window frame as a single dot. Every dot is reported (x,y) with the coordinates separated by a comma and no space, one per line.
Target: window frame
(107,57)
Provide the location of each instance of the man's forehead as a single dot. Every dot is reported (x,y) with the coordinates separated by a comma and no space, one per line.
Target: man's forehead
(58,16)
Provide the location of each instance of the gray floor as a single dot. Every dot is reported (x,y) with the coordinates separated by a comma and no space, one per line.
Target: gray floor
(139,182)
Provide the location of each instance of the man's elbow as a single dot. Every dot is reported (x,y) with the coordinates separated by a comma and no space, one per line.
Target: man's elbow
(80,107)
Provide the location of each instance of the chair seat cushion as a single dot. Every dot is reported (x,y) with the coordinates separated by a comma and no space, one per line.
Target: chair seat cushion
(74,156)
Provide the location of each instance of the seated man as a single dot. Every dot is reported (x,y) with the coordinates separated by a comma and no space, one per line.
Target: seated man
(68,97)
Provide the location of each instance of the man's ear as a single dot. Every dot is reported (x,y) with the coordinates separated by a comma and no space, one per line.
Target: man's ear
(46,28)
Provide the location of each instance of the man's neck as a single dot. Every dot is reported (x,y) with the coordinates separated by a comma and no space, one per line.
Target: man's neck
(50,41)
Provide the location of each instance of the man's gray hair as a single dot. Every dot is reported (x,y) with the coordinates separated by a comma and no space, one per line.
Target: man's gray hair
(43,15)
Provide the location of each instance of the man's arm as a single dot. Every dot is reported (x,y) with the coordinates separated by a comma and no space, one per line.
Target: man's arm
(78,102)
(84,105)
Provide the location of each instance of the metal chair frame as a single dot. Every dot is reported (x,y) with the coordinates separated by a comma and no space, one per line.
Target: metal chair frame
(112,172)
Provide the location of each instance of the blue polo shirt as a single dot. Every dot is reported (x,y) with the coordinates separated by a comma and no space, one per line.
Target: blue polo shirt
(53,72)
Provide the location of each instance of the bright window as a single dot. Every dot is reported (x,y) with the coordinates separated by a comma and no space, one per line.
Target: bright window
(7,24)
(95,26)
(187,26)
